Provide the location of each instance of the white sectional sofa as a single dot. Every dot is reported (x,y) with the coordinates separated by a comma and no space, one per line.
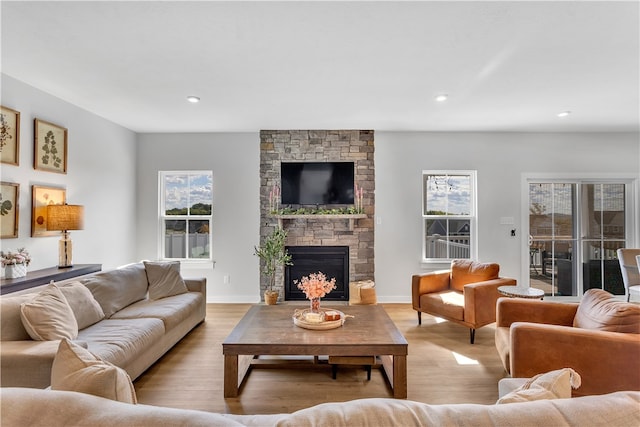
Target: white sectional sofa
(137,328)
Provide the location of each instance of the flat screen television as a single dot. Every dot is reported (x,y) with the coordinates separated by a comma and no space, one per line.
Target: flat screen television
(317,183)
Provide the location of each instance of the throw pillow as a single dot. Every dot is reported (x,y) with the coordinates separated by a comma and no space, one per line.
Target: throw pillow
(48,317)
(600,310)
(551,385)
(465,271)
(77,369)
(116,289)
(164,279)
(85,308)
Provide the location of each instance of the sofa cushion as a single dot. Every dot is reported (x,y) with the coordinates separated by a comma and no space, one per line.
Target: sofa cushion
(116,289)
(171,310)
(465,271)
(48,317)
(76,369)
(446,303)
(600,310)
(11,327)
(85,308)
(550,385)
(119,341)
(164,279)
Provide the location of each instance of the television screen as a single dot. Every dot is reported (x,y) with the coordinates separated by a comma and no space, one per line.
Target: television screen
(317,183)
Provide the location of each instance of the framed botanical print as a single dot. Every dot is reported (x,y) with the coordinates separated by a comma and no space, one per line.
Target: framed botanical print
(9,136)
(50,151)
(9,195)
(42,197)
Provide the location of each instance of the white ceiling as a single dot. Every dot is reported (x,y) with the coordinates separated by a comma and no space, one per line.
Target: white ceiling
(507,66)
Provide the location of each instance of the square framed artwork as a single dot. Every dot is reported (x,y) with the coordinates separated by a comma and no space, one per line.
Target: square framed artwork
(41,198)
(9,136)
(9,209)
(50,151)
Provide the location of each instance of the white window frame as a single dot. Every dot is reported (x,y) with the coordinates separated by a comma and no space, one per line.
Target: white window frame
(632,202)
(162,218)
(472,217)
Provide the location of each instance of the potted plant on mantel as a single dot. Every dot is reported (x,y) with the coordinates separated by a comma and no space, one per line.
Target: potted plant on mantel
(274,255)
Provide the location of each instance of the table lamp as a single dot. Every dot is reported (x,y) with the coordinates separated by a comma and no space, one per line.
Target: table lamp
(64,218)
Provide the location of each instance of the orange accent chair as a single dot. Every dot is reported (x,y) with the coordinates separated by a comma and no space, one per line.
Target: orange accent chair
(598,338)
(466,294)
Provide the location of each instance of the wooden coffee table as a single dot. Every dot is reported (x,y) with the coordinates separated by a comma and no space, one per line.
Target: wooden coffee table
(269,330)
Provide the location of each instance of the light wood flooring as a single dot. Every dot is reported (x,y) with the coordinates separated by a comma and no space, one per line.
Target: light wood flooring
(442,368)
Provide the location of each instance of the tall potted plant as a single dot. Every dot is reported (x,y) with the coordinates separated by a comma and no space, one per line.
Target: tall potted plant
(274,255)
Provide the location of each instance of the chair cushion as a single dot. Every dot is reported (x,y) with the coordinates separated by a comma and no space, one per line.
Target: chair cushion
(600,310)
(48,317)
(464,271)
(85,308)
(76,369)
(446,303)
(164,279)
(551,385)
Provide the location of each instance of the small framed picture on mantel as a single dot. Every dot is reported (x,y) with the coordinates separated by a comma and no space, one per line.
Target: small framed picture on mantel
(50,152)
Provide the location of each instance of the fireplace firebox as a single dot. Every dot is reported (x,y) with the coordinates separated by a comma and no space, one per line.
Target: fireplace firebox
(333,261)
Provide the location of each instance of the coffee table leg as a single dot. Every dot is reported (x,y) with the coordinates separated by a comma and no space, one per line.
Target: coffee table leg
(400,377)
(230,375)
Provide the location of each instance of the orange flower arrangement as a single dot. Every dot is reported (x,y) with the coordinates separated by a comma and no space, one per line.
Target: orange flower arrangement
(316,285)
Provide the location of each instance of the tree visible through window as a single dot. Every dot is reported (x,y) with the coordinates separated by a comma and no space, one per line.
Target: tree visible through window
(186,214)
(449,215)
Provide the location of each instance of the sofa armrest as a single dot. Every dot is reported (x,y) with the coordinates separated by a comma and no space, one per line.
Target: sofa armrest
(606,361)
(480,300)
(434,281)
(27,363)
(197,285)
(510,310)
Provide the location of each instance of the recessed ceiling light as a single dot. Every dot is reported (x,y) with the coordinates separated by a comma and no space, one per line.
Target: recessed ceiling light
(564,114)
(193,99)
(441,98)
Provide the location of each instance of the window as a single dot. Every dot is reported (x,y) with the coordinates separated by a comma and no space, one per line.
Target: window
(186,215)
(575,227)
(449,215)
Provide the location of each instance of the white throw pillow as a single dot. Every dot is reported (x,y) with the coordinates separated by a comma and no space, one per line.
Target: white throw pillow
(48,317)
(85,308)
(551,385)
(77,369)
(164,279)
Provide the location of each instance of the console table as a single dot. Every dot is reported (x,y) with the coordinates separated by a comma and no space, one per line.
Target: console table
(46,275)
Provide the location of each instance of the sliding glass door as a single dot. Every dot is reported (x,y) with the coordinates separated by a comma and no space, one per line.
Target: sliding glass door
(575,228)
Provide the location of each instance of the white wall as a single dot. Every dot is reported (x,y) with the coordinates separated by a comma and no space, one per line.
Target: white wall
(500,159)
(234,159)
(100,176)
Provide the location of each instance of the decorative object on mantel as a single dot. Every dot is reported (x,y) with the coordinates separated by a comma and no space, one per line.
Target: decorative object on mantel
(41,198)
(9,136)
(64,218)
(359,195)
(15,263)
(315,286)
(274,255)
(9,207)
(50,151)
(274,199)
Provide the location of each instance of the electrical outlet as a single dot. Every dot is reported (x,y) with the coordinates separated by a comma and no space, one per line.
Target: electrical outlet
(226,279)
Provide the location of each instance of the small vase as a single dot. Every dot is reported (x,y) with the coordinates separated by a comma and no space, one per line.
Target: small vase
(13,271)
(315,305)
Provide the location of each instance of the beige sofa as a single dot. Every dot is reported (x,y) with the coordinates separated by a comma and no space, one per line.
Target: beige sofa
(134,333)
(33,407)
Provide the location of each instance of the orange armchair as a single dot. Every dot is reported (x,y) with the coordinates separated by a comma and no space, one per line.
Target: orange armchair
(598,338)
(466,294)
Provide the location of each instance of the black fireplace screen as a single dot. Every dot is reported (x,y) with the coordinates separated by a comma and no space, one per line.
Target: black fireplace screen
(333,261)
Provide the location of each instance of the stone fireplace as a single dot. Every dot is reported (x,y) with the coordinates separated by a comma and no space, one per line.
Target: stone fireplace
(356,235)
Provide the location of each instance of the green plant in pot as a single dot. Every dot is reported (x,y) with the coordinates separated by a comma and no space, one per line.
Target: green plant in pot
(274,256)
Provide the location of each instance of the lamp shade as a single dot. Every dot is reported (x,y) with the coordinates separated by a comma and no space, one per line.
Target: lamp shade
(65,217)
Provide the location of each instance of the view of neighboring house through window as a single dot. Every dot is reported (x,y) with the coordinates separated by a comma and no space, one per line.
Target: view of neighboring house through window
(186,214)
(449,215)
(575,228)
